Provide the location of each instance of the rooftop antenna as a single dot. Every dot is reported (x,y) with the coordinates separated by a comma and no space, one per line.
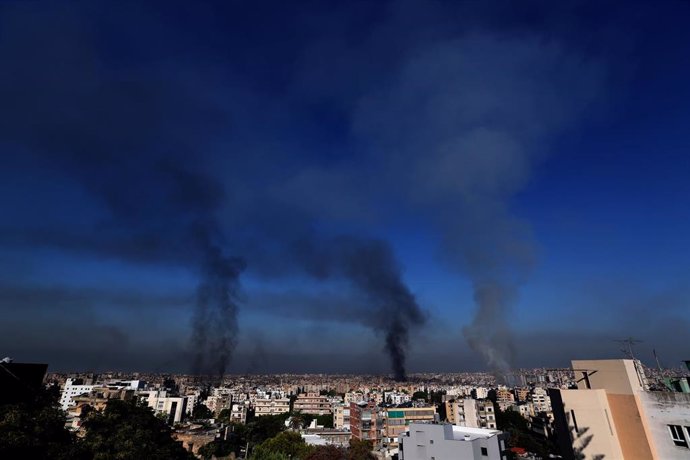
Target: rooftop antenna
(627,349)
(627,345)
(656,357)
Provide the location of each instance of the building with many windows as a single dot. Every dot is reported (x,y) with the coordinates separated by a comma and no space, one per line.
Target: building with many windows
(365,424)
(312,403)
(72,388)
(341,416)
(473,413)
(271,406)
(397,419)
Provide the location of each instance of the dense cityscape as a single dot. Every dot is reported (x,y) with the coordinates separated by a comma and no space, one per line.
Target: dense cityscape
(344,230)
(543,413)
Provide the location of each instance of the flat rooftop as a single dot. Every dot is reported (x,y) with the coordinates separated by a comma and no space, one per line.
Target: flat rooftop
(463,433)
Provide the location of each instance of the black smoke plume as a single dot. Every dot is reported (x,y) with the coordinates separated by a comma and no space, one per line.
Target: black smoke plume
(126,138)
(370,266)
(215,318)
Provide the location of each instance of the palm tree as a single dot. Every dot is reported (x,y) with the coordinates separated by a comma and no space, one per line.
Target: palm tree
(296,421)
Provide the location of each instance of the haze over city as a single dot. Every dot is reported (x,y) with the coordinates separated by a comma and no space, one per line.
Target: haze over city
(343,187)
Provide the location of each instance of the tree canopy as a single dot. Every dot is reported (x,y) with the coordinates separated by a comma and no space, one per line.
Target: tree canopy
(126,430)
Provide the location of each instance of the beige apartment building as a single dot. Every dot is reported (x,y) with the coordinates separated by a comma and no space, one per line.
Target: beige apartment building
(612,415)
(312,403)
(473,413)
(271,406)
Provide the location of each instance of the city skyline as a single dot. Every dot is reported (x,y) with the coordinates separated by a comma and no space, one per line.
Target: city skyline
(358,187)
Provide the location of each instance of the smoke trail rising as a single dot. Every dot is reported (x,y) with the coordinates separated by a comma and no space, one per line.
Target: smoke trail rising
(214,335)
(464,122)
(370,266)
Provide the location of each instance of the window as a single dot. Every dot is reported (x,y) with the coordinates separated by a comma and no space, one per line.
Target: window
(485,452)
(678,436)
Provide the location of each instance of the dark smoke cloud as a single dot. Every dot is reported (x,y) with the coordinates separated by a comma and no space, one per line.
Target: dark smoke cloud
(215,319)
(465,121)
(440,113)
(126,138)
(370,267)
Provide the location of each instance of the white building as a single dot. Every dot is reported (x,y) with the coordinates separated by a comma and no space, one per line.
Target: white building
(393,397)
(238,413)
(173,406)
(72,388)
(427,441)
(481,392)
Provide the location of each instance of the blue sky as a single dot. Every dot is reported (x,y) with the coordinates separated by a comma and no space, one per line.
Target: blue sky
(488,186)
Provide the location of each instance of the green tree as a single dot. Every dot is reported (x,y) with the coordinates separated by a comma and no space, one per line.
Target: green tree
(125,430)
(36,430)
(360,450)
(420,395)
(297,421)
(328,452)
(520,434)
(265,427)
(287,443)
(201,412)
(272,456)
(236,441)
(219,448)
(325,420)
(225,416)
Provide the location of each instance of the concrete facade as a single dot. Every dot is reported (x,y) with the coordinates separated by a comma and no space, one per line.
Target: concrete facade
(271,406)
(612,415)
(312,403)
(72,388)
(397,419)
(427,441)
(364,422)
(473,413)
(663,410)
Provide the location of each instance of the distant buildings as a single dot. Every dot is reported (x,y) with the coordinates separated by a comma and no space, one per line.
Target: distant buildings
(612,415)
(425,441)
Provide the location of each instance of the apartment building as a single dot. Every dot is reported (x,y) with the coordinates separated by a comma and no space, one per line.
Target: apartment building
(397,419)
(473,413)
(613,415)
(341,417)
(271,406)
(312,403)
(73,388)
(365,424)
